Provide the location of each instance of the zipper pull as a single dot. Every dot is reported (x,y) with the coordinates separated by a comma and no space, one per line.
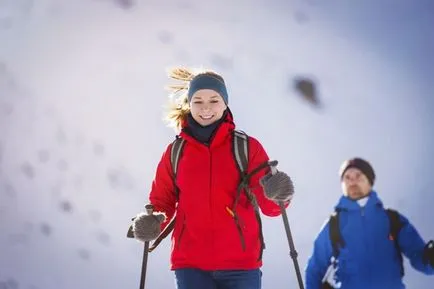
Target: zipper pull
(230,212)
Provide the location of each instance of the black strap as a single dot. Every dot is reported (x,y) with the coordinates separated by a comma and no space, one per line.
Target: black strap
(169,228)
(395,228)
(241,157)
(335,233)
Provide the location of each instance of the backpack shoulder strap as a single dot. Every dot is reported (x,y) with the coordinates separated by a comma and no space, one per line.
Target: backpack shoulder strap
(335,234)
(175,155)
(395,227)
(395,223)
(241,151)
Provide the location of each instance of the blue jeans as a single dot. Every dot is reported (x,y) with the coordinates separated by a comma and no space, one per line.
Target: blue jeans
(225,279)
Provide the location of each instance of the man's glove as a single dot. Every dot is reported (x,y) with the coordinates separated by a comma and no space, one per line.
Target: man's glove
(278,187)
(428,253)
(147,227)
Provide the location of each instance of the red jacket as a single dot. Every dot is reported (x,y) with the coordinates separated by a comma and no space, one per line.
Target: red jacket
(205,234)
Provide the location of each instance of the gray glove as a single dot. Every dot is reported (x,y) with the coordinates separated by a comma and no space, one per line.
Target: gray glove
(278,187)
(147,227)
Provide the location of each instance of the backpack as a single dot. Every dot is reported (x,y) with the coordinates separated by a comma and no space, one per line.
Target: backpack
(240,150)
(395,227)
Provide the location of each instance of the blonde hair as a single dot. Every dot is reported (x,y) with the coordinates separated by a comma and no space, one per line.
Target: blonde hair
(178,107)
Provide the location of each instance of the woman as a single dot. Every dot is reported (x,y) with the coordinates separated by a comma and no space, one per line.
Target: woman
(215,244)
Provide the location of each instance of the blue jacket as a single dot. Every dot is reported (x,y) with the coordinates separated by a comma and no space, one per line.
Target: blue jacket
(369,259)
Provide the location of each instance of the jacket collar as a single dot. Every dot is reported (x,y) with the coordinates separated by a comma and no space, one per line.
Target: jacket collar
(347,204)
(220,134)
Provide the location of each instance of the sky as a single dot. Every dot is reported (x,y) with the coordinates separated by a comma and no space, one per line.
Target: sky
(82,100)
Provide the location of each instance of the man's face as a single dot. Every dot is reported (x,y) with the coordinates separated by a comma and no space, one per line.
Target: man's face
(355,185)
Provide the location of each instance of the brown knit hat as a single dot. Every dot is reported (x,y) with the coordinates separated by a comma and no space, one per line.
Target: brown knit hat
(360,164)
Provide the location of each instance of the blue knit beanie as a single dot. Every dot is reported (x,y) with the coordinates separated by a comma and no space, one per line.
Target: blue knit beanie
(208,81)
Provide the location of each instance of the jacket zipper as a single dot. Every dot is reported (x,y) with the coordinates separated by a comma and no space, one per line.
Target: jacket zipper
(234,214)
(210,194)
(364,239)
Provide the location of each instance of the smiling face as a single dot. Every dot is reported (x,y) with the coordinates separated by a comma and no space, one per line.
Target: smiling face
(207,106)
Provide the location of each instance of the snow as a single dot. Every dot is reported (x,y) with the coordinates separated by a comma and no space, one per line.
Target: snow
(81,106)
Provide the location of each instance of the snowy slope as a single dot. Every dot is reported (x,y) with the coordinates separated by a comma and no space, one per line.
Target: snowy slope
(81,102)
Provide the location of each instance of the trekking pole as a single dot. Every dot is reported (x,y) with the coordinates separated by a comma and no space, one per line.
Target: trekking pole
(292,252)
(149,210)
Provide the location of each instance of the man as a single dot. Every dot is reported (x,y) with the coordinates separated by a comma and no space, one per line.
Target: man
(361,245)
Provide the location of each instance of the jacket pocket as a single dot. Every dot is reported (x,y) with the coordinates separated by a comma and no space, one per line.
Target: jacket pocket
(247,226)
(241,230)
